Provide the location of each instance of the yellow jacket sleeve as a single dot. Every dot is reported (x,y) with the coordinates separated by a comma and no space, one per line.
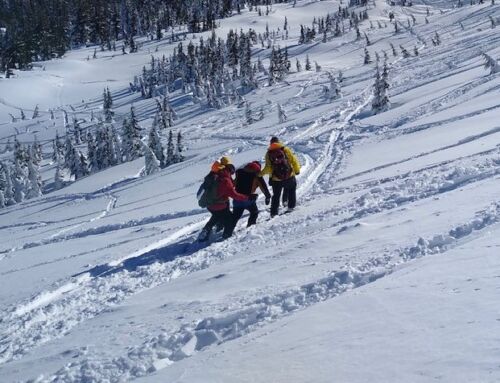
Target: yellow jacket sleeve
(294,162)
(268,169)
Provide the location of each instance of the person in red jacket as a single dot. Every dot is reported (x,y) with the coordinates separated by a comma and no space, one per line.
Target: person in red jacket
(220,208)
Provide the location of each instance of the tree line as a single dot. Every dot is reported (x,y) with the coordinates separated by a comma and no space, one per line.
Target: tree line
(45,29)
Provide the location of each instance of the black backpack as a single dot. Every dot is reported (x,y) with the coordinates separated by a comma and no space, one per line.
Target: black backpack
(279,163)
(207,193)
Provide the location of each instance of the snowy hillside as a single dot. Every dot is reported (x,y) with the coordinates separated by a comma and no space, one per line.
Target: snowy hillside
(387,271)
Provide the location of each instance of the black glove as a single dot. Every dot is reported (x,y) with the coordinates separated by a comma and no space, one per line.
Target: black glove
(252,197)
(268,200)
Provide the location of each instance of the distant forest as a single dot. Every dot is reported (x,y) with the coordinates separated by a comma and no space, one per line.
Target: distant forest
(32,30)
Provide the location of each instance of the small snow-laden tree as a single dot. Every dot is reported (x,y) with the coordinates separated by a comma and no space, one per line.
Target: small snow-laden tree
(92,153)
(65,119)
(108,106)
(393,49)
(317,66)
(77,131)
(37,154)
(179,148)
(68,152)
(79,166)
(3,180)
(131,137)
(334,91)
(20,153)
(19,181)
(36,113)
(113,146)
(34,181)
(52,117)
(59,177)
(170,148)
(380,100)
(248,114)
(368,43)
(491,64)
(2,199)
(103,157)
(367,59)
(404,52)
(298,65)
(155,145)
(23,116)
(308,63)
(282,117)
(152,164)
(8,190)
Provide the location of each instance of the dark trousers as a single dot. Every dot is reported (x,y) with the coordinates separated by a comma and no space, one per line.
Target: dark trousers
(225,217)
(288,187)
(252,209)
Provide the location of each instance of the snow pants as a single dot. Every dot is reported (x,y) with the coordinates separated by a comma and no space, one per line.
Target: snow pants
(288,187)
(240,206)
(225,217)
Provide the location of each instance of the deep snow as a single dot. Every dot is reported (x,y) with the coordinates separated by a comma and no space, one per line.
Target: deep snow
(387,271)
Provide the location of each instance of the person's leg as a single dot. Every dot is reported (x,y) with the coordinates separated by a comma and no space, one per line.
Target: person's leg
(292,192)
(207,229)
(228,219)
(275,201)
(254,213)
(284,200)
(237,213)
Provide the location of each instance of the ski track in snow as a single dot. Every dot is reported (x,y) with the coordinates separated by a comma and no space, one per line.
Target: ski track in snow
(89,293)
(164,349)
(54,312)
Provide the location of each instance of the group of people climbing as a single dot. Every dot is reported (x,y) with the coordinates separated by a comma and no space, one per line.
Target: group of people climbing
(218,187)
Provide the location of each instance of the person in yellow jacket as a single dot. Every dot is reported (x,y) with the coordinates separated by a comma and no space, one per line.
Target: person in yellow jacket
(282,166)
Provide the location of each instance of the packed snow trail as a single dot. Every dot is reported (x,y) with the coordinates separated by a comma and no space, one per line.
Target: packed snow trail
(164,349)
(331,205)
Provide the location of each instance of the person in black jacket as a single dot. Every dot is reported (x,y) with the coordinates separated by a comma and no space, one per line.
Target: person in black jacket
(247,181)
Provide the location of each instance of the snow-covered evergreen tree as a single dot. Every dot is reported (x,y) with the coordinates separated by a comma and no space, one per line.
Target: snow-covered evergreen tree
(131,137)
(19,181)
(34,181)
(282,117)
(179,148)
(248,114)
(8,189)
(92,153)
(170,148)
(155,145)
(367,58)
(37,153)
(152,164)
(58,177)
(108,106)
(308,63)
(380,100)
(36,113)
(77,131)
(491,64)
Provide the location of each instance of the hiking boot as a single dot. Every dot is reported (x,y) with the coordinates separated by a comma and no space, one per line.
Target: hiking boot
(219,227)
(204,235)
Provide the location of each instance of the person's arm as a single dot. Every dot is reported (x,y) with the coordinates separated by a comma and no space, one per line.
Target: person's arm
(263,186)
(268,169)
(230,191)
(293,160)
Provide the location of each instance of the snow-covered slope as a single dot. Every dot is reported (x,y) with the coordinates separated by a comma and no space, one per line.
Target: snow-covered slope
(387,271)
